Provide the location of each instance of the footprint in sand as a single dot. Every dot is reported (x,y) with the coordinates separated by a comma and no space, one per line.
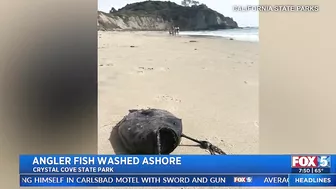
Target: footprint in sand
(141,70)
(168,98)
(109,64)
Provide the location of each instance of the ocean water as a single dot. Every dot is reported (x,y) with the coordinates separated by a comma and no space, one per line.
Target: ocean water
(241,34)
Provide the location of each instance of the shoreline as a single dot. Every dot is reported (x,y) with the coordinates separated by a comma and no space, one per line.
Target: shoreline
(162,33)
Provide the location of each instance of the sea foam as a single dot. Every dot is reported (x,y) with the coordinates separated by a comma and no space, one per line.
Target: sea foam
(242,34)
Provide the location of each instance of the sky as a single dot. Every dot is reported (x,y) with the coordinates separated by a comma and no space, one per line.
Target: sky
(225,7)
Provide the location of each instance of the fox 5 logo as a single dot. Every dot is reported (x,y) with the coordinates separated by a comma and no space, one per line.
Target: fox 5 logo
(311,161)
(323,161)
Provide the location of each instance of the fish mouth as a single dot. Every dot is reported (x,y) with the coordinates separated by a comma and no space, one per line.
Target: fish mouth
(167,140)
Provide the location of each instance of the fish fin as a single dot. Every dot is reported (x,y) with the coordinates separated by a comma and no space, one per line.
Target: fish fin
(132,110)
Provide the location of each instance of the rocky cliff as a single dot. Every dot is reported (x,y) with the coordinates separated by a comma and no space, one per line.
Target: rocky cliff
(159,15)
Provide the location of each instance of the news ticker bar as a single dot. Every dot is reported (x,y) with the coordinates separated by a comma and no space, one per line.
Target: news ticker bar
(184,164)
(298,180)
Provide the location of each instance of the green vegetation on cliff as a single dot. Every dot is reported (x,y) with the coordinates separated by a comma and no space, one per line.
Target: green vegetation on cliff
(194,17)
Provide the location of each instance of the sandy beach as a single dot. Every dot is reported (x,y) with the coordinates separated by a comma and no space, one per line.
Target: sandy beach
(210,83)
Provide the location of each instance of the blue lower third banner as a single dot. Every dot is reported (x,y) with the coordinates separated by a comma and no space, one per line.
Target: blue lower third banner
(185,164)
(154,164)
(177,180)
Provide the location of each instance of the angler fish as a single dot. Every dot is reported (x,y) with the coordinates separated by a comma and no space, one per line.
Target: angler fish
(154,131)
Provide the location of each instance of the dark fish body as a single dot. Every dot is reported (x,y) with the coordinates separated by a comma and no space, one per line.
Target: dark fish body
(150,131)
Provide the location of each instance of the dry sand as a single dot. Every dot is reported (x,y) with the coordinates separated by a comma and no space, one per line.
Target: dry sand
(211,84)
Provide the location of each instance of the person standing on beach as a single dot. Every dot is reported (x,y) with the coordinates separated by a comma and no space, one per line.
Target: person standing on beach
(177,29)
(170,31)
(173,30)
